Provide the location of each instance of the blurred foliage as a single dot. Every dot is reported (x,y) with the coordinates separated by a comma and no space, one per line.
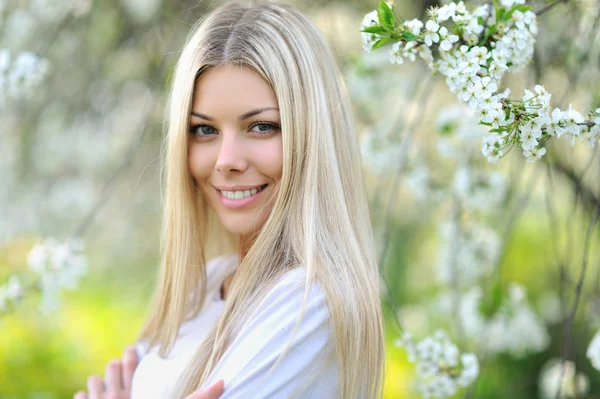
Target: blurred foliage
(100,115)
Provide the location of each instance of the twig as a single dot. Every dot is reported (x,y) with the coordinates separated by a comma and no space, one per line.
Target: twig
(404,146)
(575,73)
(578,290)
(549,7)
(588,197)
(455,278)
(106,193)
(518,208)
(403,159)
(45,45)
(395,126)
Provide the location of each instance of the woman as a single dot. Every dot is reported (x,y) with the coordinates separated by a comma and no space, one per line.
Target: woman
(262,159)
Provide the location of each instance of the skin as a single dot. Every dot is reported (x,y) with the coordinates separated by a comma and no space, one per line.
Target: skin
(223,151)
(226,151)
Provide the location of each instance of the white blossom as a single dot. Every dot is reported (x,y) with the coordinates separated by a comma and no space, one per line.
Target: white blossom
(10,292)
(593,351)
(414,26)
(441,369)
(19,77)
(431,35)
(534,154)
(396,53)
(572,118)
(493,147)
(572,384)
(510,3)
(468,251)
(59,265)
(529,133)
(514,328)
(592,136)
(550,307)
(369,39)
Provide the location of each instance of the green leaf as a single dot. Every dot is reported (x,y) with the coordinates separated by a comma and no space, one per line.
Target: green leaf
(447,129)
(520,7)
(409,37)
(500,14)
(498,130)
(375,29)
(385,15)
(381,42)
(491,304)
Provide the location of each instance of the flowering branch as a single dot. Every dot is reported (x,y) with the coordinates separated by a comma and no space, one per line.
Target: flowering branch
(474,51)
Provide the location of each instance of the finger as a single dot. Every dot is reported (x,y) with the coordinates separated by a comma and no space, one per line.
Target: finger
(130,362)
(95,387)
(80,395)
(112,376)
(212,392)
(216,390)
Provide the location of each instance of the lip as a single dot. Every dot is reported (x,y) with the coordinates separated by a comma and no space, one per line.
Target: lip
(237,188)
(241,203)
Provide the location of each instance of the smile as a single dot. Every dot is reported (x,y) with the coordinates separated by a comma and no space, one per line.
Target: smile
(238,195)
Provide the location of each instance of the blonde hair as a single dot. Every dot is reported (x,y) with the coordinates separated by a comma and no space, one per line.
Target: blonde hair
(320,217)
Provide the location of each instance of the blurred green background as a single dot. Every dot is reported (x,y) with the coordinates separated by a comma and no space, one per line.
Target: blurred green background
(98,118)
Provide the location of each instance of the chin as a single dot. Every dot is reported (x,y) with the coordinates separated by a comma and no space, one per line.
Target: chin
(240,225)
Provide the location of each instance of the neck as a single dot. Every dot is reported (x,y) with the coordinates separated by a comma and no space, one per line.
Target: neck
(246,242)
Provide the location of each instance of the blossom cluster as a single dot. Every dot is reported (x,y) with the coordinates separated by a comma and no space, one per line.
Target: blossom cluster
(557,376)
(475,186)
(474,50)
(59,265)
(441,369)
(508,324)
(10,293)
(468,250)
(20,75)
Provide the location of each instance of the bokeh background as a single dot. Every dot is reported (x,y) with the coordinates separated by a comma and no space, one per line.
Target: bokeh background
(79,155)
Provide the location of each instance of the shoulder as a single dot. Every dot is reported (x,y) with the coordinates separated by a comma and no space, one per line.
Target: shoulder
(282,304)
(217,269)
(273,355)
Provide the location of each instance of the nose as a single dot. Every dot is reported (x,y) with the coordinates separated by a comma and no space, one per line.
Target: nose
(232,157)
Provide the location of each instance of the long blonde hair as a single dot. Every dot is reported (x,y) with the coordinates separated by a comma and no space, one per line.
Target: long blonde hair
(319,220)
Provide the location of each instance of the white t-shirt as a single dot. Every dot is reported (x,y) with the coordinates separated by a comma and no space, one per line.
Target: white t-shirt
(255,349)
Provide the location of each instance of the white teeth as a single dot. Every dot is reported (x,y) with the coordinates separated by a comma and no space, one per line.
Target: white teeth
(238,195)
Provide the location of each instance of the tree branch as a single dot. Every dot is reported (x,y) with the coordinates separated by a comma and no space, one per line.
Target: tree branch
(549,7)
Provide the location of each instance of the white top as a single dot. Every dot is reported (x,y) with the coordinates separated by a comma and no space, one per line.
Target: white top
(255,349)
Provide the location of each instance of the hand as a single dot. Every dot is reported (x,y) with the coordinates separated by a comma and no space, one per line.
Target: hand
(117,380)
(212,392)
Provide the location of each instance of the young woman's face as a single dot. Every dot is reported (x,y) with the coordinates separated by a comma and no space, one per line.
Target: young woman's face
(235,147)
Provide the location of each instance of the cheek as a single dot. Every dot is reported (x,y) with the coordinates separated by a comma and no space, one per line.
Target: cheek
(200,163)
(270,159)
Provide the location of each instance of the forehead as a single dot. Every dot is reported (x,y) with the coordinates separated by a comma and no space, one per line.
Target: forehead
(232,86)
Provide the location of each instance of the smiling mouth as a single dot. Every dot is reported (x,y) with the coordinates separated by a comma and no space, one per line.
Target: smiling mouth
(241,194)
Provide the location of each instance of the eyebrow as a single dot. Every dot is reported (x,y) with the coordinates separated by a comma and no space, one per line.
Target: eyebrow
(241,117)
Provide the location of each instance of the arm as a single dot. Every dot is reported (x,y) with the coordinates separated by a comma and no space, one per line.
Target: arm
(245,365)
